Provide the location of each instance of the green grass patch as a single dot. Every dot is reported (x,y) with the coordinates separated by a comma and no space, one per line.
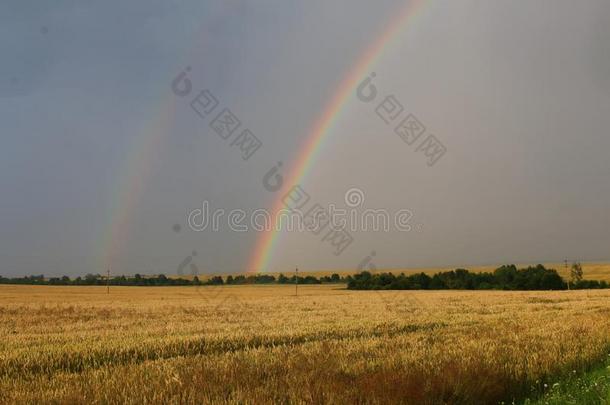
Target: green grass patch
(585,389)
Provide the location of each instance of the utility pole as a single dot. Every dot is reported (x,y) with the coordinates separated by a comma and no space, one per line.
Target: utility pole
(568,275)
(296,282)
(108,282)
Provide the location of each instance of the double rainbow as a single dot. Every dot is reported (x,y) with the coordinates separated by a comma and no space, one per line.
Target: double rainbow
(149,142)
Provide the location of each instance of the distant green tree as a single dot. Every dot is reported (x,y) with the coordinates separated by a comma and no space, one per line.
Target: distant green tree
(576,273)
(216,280)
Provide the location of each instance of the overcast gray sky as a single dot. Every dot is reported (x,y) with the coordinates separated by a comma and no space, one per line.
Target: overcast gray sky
(100,159)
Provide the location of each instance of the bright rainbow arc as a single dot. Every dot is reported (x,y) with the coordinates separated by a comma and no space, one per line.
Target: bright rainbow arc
(267,242)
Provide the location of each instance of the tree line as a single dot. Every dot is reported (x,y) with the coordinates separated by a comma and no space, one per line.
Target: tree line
(507,277)
(162,280)
(503,278)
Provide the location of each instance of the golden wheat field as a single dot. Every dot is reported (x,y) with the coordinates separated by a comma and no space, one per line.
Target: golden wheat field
(263,344)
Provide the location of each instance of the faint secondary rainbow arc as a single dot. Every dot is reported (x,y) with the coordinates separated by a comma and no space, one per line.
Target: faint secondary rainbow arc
(145,146)
(267,241)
